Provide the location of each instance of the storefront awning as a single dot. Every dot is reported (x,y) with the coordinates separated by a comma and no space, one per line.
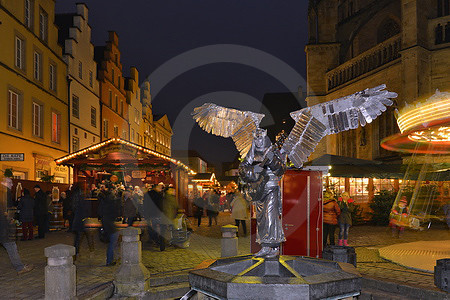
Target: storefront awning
(116,152)
(342,166)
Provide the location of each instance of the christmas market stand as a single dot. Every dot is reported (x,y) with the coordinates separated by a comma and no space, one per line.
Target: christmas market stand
(118,160)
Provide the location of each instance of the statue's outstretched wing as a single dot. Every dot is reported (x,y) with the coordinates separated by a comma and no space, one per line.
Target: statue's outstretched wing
(315,122)
(228,122)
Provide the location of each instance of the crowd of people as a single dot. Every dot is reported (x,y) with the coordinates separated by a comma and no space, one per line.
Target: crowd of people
(213,201)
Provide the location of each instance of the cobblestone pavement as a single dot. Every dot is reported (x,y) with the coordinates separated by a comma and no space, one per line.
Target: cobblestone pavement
(205,244)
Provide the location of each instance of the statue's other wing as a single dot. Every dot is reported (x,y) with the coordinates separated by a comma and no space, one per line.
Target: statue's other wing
(315,122)
(228,122)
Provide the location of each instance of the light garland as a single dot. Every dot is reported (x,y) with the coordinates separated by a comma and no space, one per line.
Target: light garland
(123,142)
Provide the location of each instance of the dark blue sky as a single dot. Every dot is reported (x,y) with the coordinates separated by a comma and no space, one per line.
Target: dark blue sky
(151,33)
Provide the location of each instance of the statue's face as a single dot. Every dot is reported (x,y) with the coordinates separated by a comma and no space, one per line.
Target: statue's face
(259,138)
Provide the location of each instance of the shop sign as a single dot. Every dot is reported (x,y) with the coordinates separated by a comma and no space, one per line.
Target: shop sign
(138,174)
(12,156)
(61,169)
(117,148)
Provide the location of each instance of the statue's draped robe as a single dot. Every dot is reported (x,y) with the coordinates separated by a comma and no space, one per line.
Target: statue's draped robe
(268,203)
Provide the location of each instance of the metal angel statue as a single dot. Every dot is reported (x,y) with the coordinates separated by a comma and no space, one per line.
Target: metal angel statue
(263,163)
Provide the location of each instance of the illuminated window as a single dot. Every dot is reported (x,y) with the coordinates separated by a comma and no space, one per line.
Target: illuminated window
(56,127)
(116,131)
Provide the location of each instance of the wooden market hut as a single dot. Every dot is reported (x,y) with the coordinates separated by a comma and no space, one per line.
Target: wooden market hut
(131,163)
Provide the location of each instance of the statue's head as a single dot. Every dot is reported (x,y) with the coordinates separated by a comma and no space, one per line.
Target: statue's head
(260,139)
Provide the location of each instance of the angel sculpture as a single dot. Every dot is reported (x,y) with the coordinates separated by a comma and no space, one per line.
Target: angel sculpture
(263,163)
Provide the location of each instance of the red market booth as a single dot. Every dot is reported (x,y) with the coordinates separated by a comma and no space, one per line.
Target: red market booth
(301,191)
(130,164)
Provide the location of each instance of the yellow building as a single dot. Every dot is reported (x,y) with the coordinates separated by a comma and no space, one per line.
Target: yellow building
(163,135)
(34,88)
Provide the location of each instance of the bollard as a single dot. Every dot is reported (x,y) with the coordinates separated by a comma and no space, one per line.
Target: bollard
(132,277)
(60,273)
(229,241)
(442,274)
(340,253)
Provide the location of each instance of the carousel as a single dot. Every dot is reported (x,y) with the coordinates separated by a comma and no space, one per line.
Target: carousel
(120,161)
(424,138)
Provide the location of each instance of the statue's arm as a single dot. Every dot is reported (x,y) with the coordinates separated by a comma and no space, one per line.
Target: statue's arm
(249,173)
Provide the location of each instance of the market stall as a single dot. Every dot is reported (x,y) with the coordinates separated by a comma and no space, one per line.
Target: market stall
(129,164)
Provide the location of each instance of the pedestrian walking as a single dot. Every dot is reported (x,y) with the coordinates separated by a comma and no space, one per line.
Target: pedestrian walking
(138,200)
(6,226)
(153,209)
(239,211)
(41,210)
(109,208)
(199,204)
(331,212)
(213,206)
(67,208)
(345,218)
(26,208)
(80,213)
(129,208)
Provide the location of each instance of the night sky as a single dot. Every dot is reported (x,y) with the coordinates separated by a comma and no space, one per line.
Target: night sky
(196,51)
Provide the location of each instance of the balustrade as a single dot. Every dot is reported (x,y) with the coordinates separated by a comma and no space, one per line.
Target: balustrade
(367,61)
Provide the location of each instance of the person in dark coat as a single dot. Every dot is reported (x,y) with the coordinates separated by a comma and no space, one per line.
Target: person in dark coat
(5,238)
(26,207)
(331,211)
(199,204)
(66,198)
(129,208)
(109,211)
(345,218)
(213,206)
(153,209)
(41,210)
(80,212)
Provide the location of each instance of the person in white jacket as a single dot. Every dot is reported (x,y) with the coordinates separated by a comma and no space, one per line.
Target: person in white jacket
(239,210)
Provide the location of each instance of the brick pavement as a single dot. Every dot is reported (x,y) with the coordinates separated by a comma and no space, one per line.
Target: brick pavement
(205,244)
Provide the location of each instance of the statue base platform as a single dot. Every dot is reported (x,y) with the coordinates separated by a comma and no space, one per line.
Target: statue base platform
(284,277)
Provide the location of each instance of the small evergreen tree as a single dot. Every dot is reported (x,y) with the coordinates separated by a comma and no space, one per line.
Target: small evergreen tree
(381,206)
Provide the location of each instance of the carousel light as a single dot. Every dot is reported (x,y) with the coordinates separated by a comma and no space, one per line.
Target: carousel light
(436,107)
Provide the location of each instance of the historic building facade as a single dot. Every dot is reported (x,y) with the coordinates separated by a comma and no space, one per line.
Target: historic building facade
(75,37)
(113,101)
(33,86)
(135,110)
(163,135)
(356,44)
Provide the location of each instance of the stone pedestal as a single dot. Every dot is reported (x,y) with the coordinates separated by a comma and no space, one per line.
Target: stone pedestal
(132,277)
(60,273)
(442,274)
(284,277)
(229,241)
(340,254)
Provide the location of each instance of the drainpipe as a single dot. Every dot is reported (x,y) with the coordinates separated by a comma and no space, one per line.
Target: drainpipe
(69,81)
